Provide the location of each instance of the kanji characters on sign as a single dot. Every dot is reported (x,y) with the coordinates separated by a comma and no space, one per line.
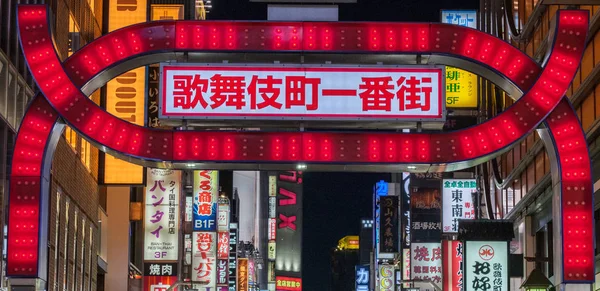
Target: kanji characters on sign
(293,92)
(426,262)
(457,202)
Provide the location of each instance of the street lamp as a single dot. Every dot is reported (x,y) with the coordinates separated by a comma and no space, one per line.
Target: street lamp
(536,281)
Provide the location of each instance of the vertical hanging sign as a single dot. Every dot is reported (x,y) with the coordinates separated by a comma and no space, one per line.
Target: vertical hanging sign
(233,264)
(388,233)
(457,202)
(205,200)
(386,278)
(289,224)
(486,264)
(452,264)
(243,274)
(125,94)
(161,215)
(362,278)
(426,262)
(204,260)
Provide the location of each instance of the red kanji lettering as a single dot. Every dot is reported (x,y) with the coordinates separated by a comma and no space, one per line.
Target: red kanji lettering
(269,93)
(295,92)
(229,90)
(412,93)
(205,197)
(205,209)
(377,93)
(188,91)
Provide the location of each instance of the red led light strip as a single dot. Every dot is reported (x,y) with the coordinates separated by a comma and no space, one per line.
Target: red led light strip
(542,95)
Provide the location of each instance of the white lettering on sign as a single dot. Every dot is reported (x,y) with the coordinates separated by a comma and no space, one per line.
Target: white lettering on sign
(413,93)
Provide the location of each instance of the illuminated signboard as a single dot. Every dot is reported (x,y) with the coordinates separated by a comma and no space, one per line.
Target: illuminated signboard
(452,264)
(486,264)
(461,85)
(288,283)
(233,234)
(272,250)
(158,283)
(457,202)
(205,200)
(161,215)
(204,259)
(222,273)
(223,245)
(316,93)
(125,95)
(243,274)
(386,278)
(362,278)
(388,232)
(272,228)
(406,264)
(289,223)
(426,262)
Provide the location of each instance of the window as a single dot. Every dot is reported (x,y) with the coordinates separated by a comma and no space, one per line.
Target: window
(86,154)
(74,258)
(82,282)
(74,40)
(71,137)
(66,235)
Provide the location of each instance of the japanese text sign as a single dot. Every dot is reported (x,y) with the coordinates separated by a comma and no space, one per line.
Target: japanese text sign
(272,250)
(452,265)
(386,278)
(486,264)
(159,283)
(388,233)
(222,273)
(223,217)
(425,209)
(288,283)
(161,215)
(362,278)
(160,269)
(302,93)
(461,85)
(204,259)
(457,202)
(426,262)
(205,200)
(223,245)
(243,274)
(233,234)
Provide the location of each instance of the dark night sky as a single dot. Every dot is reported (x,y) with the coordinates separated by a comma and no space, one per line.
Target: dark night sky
(334,203)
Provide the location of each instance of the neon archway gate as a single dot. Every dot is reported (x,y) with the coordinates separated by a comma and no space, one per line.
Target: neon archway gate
(64,88)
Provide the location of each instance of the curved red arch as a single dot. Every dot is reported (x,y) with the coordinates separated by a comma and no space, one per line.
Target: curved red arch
(189,146)
(61,88)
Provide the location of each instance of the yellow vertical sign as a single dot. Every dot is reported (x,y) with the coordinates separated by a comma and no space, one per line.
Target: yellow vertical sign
(125,94)
(461,88)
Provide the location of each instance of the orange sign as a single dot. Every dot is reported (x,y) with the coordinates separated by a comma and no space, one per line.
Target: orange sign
(243,274)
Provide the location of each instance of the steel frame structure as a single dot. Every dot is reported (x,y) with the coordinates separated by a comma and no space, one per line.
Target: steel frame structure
(64,87)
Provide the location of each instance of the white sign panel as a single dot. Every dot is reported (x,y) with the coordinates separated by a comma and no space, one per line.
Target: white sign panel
(426,262)
(457,202)
(386,278)
(189,204)
(204,259)
(161,215)
(223,218)
(302,93)
(466,18)
(486,264)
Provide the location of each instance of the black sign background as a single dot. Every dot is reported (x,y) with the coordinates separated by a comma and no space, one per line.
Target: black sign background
(289,240)
(388,233)
(425,207)
(233,235)
(148,266)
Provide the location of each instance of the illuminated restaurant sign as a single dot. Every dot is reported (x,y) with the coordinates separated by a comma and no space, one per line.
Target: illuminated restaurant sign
(457,202)
(161,215)
(204,260)
(309,93)
(205,200)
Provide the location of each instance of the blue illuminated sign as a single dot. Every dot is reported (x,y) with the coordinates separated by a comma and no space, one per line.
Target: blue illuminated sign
(466,18)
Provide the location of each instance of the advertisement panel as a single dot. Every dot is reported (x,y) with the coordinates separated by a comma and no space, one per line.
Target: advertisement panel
(457,202)
(486,264)
(206,192)
(204,260)
(223,217)
(159,283)
(251,274)
(425,207)
(243,274)
(288,283)
(406,264)
(223,245)
(273,206)
(160,269)
(426,262)
(405,208)
(461,85)
(272,250)
(189,206)
(125,94)
(233,238)
(452,264)
(302,92)
(388,234)
(386,278)
(222,273)
(272,228)
(289,224)
(362,278)
(161,215)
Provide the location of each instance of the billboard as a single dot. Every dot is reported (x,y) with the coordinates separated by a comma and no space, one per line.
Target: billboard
(457,202)
(426,262)
(288,283)
(161,215)
(204,260)
(425,207)
(387,281)
(222,273)
(125,94)
(223,245)
(160,269)
(461,85)
(289,224)
(362,278)
(302,92)
(242,274)
(388,233)
(159,283)
(486,264)
(206,193)
(452,264)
